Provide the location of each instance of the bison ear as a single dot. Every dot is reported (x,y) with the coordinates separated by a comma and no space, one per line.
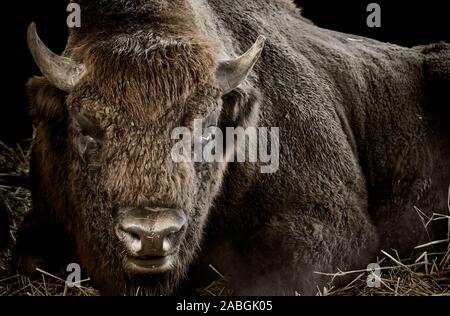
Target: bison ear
(241,107)
(231,73)
(46,101)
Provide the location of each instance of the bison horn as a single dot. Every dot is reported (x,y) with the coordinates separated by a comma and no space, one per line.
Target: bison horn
(62,72)
(231,73)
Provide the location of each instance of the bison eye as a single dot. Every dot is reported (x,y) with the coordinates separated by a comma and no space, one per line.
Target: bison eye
(87,147)
(88,139)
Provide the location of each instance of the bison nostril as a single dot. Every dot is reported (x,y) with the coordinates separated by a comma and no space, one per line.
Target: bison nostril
(134,236)
(130,238)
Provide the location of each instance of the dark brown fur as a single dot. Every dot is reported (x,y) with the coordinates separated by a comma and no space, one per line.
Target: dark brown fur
(358,147)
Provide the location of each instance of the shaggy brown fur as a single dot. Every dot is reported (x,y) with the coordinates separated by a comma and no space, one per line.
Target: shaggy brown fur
(359,148)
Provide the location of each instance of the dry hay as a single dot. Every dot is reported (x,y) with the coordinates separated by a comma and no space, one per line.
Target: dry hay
(426,274)
(216,288)
(16,198)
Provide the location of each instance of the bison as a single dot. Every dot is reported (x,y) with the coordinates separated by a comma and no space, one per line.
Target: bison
(361,146)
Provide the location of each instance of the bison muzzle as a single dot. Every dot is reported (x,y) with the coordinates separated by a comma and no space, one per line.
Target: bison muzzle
(151,237)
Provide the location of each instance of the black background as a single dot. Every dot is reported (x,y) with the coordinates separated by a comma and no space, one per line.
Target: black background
(403,22)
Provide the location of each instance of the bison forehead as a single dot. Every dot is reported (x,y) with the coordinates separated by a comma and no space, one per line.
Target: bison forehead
(141,71)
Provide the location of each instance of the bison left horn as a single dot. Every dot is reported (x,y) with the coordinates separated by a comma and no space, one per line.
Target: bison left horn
(231,73)
(62,72)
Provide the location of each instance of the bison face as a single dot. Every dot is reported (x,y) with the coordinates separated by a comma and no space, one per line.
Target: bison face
(136,215)
(142,213)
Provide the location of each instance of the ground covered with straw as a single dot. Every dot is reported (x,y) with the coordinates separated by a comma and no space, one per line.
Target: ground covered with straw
(426,274)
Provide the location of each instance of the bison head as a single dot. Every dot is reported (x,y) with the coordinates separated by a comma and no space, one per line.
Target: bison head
(104,117)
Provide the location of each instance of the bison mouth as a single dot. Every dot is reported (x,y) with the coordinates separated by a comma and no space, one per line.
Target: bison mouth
(150,264)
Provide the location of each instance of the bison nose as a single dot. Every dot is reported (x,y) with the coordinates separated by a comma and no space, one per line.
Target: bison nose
(151,232)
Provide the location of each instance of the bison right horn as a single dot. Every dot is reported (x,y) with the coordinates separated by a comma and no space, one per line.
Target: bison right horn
(62,72)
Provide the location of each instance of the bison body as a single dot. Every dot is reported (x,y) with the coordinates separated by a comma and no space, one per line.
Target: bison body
(360,148)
